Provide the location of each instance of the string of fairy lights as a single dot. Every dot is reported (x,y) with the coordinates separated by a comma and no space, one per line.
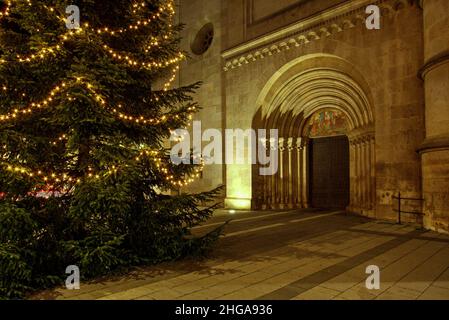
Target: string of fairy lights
(134,62)
(43,53)
(122,116)
(16,114)
(58,177)
(129,61)
(165,8)
(5,13)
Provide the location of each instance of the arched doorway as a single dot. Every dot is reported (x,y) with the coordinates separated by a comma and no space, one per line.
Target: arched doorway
(328,159)
(329,172)
(309,87)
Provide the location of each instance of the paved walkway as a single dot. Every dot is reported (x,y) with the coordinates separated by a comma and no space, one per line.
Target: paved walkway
(306,254)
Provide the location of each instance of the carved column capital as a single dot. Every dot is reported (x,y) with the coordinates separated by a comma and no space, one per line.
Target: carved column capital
(301,142)
(273,144)
(281,144)
(290,144)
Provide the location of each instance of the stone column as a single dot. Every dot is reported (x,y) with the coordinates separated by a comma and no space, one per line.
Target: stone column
(281,175)
(305,172)
(352,175)
(272,183)
(435,149)
(367,181)
(363,172)
(299,164)
(265,188)
(367,178)
(373,172)
(358,174)
(289,200)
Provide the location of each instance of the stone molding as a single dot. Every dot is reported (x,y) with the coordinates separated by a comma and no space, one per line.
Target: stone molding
(434,144)
(361,138)
(314,89)
(433,63)
(344,17)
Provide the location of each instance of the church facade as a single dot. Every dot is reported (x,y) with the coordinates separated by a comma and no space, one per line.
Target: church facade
(362,114)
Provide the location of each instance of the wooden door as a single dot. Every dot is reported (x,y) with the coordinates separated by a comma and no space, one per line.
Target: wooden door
(329,172)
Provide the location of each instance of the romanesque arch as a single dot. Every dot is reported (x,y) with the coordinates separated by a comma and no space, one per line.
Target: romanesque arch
(297,91)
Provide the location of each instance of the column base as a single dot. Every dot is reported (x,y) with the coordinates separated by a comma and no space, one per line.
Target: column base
(360,210)
(435,173)
(238,203)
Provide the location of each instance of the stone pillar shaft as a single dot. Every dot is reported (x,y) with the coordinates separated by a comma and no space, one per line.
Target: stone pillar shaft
(281,175)
(362,174)
(299,165)
(435,149)
(290,200)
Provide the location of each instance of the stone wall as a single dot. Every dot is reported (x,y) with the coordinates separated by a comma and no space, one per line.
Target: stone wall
(206,68)
(250,19)
(388,60)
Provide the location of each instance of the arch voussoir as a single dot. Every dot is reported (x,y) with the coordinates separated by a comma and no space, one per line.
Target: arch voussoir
(299,90)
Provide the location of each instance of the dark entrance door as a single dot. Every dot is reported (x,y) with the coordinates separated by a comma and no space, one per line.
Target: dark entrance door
(329,172)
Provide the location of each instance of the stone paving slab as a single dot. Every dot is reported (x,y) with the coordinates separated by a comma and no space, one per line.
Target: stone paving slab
(435,293)
(424,275)
(300,255)
(317,293)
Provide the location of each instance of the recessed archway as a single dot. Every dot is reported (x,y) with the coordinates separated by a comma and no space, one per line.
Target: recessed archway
(299,90)
(328,159)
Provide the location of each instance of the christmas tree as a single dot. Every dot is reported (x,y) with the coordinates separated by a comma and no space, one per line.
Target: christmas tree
(86,106)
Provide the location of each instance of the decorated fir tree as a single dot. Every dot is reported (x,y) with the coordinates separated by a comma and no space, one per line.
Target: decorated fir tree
(84,113)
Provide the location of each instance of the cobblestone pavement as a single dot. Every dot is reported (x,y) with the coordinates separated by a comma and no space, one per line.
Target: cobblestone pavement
(296,254)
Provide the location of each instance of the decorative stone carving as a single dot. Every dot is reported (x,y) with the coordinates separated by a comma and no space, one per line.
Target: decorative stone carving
(311,29)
